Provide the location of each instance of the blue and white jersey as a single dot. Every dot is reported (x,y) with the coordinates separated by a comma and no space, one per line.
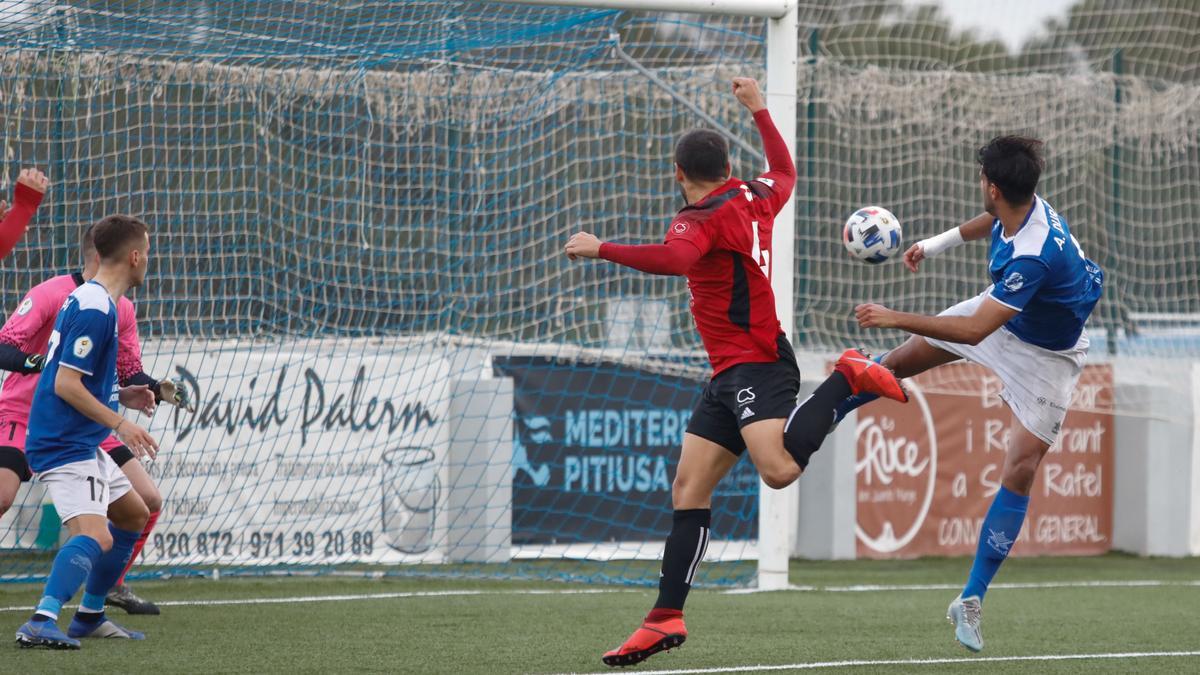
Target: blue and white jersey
(1042,273)
(84,339)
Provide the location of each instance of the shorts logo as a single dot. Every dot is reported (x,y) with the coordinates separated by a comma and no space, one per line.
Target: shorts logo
(26,305)
(747,413)
(83,347)
(679,227)
(1014,282)
(745,396)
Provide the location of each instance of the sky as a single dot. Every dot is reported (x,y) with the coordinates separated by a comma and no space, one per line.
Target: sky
(1013,21)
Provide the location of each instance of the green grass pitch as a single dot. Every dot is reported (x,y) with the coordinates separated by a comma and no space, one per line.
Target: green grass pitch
(504,629)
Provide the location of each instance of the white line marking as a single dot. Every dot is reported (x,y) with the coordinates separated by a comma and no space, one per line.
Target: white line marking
(875,588)
(360,596)
(920,662)
(866,588)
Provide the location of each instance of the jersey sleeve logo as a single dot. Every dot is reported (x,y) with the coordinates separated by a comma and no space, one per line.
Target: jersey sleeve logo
(1014,282)
(83,347)
(679,227)
(26,305)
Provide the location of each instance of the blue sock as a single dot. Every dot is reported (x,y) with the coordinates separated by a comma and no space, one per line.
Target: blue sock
(856,401)
(850,404)
(108,569)
(74,561)
(1000,529)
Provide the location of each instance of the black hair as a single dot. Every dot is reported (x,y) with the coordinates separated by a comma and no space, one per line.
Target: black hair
(703,155)
(114,235)
(1013,164)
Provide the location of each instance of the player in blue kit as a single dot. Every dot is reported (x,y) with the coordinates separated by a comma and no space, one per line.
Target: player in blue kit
(74,409)
(1027,327)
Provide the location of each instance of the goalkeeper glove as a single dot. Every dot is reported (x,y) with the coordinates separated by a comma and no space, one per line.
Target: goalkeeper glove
(34,363)
(174,393)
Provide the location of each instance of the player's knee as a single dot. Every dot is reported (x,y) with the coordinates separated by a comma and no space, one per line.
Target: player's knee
(1022,472)
(103,538)
(781,475)
(681,489)
(153,500)
(138,518)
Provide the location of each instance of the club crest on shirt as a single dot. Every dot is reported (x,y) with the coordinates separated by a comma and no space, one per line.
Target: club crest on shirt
(26,305)
(83,347)
(1014,282)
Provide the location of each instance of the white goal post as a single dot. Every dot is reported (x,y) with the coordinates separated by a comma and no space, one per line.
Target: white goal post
(778,509)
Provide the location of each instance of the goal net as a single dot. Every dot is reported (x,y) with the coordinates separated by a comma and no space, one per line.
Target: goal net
(358,214)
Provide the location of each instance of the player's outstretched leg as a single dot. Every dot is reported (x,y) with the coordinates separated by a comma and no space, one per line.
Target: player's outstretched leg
(855,374)
(702,464)
(999,532)
(913,357)
(128,514)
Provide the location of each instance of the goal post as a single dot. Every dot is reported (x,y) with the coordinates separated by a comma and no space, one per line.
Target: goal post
(778,509)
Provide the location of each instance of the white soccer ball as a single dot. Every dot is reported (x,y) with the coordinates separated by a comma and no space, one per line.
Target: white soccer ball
(872,234)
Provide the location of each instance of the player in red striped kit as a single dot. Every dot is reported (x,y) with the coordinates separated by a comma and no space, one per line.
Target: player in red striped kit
(721,241)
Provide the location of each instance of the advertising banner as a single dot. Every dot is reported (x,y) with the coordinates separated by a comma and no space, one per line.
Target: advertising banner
(300,453)
(595,450)
(927,470)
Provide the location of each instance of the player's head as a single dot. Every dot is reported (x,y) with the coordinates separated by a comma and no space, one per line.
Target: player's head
(1009,169)
(702,156)
(124,242)
(87,251)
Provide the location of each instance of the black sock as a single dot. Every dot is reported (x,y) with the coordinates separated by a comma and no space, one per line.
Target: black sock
(681,556)
(89,617)
(809,424)
(38,617)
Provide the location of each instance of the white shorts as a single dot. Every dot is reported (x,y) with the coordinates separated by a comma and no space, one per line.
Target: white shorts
(1038,382)
(86,487)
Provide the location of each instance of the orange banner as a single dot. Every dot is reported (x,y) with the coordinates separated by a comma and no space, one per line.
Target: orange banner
(927,470)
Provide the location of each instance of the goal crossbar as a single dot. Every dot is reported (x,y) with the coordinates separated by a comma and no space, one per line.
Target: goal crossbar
(767,9)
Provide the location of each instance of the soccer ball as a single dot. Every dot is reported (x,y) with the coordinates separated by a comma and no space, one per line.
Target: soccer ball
(872,234)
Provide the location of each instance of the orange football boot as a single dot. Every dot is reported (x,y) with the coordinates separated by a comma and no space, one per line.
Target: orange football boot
(649,639)
(866,376)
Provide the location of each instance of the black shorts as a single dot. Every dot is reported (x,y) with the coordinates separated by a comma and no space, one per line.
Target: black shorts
(744,394)
(14,459)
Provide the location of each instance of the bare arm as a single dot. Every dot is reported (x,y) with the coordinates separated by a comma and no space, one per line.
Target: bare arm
(68,385)
(970,330)
(976,228)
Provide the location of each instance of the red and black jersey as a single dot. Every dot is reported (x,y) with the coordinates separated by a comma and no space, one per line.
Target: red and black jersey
(730,285)
(729,271)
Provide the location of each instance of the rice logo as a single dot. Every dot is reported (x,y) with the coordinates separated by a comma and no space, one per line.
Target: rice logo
(679,227)
(896,475)
(1014,282)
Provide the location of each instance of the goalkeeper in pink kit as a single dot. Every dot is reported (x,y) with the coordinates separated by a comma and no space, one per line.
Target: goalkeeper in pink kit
(23,343)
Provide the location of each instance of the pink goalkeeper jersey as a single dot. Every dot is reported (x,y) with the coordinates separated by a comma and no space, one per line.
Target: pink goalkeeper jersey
(29,328)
